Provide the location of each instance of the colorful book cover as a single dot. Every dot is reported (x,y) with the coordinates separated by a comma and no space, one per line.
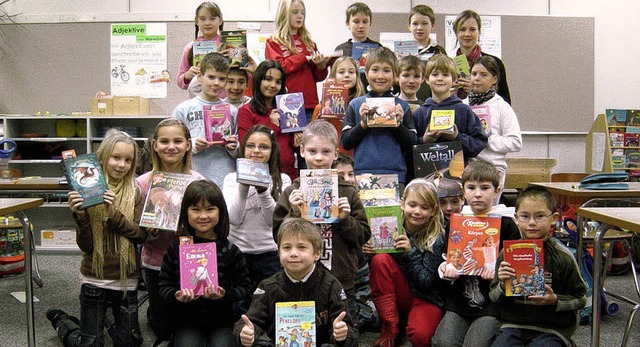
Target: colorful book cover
(616,117)
(633,117)
(162,205)
(618,162)
(236,42)
(296,323)
(335,99)
(386,225)
(462,66)
(633,129)
(378,189)
(632,161)
(198,266)
(405,48)
(473,243)
(631,139)
(442,120)
(439,156)
(320,190)
(617,151)
(616,139)
(292,115)
(202,48)
(84,175)
(484,114)
(252,173)
(527,259)
(217,123)
(359,53)
(380,112)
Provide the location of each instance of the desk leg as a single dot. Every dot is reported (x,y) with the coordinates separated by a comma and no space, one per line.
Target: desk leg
(581,223)
(597,286)
(31,332)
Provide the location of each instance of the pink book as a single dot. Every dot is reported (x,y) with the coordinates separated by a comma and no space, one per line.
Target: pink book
(198,266)
(217,123)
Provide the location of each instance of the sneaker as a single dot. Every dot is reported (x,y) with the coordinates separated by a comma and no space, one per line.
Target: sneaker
(54,315)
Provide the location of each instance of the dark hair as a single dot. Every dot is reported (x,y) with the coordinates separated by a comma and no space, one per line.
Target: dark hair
(214,61)
(197,192)
(238,72)
(537,193)
(274,158)
(481,170)
(490,64)
(213,9)
(342,159)
(382,55)
(358,7)
(303,229)
(411,62)
(423,10)
(258,103)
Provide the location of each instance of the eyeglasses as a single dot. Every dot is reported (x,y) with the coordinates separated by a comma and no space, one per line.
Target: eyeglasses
(261,148)
(523,217)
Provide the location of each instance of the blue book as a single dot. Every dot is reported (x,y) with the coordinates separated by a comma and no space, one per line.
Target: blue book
(359,53)
(84,174)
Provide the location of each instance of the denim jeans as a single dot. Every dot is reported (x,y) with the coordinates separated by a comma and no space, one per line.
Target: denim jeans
(94,303)
(192,336)
(524,337)
(455,330)
(158,311)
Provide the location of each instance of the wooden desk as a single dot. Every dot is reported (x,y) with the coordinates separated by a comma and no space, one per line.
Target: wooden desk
(621,217)
(44,183)
(18,206)
(570,189)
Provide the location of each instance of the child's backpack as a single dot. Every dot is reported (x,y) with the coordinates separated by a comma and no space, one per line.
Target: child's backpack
(620,262)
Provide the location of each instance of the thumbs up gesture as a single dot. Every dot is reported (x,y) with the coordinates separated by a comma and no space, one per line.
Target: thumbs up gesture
(340,328)
(247,333)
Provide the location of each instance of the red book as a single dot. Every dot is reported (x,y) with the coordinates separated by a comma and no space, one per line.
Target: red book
(473,243)
(335,98)
(527,259)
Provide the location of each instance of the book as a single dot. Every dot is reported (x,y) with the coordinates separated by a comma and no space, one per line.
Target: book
(380,112)
(198,266)
(359,53)
(335,98)
(320,191)
(527,259)
(84,175)
(440,156)
(386,225)
(292,114)
(217,123)
(442,120)
(462,66)
(632,160)
(236,42)
(162,205)
(616,117)
(296,322)
(633,118)
(472,247)
(616,139)
(484,114)
(631,139)
(252,173)
(618,162)
(404,48)
(202,48)
(378,189)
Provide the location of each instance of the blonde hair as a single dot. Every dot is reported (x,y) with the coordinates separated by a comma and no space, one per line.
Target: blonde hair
(358,89)
(282,35)
(426,191)
(111,138)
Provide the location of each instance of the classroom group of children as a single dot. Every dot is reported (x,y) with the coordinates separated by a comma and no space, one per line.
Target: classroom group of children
(263,245)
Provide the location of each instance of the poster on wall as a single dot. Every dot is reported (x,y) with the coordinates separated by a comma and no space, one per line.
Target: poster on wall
(490,36)
(139,59)
(257,44)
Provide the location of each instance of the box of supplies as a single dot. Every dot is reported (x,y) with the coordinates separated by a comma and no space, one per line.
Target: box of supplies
(102,107)
(130,106)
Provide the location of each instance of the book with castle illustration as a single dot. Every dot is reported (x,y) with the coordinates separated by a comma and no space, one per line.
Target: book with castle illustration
(217,123)
(162,205)
(84,175)
(320,191)
(439,156)
(527,259)
(252,172)
(378,189)
(296,322)
(472,247)
(386,225)
(198,266)
(292,114)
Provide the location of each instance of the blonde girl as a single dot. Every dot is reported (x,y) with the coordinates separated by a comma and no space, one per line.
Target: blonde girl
(403,284)
(171,152)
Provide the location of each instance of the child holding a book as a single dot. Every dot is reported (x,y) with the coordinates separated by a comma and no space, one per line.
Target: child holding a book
(470,316)
(319,148)
(170,152)
(403,285)
(214,161)
(467,128)
(107,235)
(269,81)
(548,319)
(304,279)
(237,84)
(379,150)
(251,207)
(205,320)
(504,134)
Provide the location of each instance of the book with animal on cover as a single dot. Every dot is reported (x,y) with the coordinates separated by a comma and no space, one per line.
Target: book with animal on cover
(202,48)
(198,266)
(484,114)
(527,259)
(378,189)
(292,114)
(381,112)
(252,172)
(236,42)
(386,225)
(84,175)
(359,53)
(442,120)
(472,247)
(320,193)
(217,123)
(335,98)
(439,156)
(164,197)
(296,322)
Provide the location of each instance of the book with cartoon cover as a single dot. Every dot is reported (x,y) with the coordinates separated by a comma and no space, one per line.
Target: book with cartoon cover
(381,112)
(442,120)
(236,42)
(386,225)
(462,66)
(405,48)
(164,197)
(198,266)
(359,53)
(335,99)
(202,48)
(84,175)
(616,117)
(217,123)
(252,173)
(527,259)
(378,189)
(484,114)
(296,323)
(472,248)
(632,161)
(292,114)
(320,192)
(439,156)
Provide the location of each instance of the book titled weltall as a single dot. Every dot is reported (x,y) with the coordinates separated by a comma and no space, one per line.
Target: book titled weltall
(162,205)
(296,322)
(527,259)
(439,156)
(84,175)
(320,194)
(198,266)
(473,243)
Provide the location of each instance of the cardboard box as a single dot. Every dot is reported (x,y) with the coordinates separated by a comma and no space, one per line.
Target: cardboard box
(102,107)
(521,171)
(63,238)
(130,106)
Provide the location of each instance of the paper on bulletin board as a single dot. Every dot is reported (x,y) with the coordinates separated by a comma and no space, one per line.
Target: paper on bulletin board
(257,45)
(388,39)
(598,146)
(139,59)
(490,35)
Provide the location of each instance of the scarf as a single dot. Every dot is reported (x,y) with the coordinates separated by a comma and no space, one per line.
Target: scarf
(475,53)
(111,242)
(479,99)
